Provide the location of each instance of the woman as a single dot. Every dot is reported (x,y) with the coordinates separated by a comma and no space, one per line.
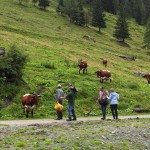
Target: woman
(114,97)
(103,101)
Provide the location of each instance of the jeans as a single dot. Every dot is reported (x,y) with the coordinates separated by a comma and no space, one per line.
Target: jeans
(71,111)
(114,111)
(103,107)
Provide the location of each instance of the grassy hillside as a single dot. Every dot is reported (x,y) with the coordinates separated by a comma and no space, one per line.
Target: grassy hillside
(54,46)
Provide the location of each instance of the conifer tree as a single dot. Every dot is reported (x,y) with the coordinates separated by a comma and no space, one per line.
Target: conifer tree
(147,35)
(98,19)
(81,16)
(121,30)
(34,1)
(44,3)
(60,7)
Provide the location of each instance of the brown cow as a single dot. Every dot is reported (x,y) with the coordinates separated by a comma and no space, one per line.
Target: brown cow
(103,75)
(147,76)
(29,101)
(82,66)
(104,61)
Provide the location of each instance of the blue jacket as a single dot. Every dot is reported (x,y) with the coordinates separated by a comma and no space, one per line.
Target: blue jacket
(113,97)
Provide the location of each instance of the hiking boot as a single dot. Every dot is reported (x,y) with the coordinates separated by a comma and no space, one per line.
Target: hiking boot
(57,119)
(69,119)
(74,119)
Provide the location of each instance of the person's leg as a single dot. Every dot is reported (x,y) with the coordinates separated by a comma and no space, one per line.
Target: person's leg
(61,115)
(73,113)
(69,113)
(104,111)
(102,108)
(116,111)
(58,115)
(112,111)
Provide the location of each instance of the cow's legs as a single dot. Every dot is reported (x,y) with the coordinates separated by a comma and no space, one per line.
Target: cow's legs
(27,114)
(110,80)
(101,79)
(83,70)
(86,70)
(32,113)
(79,71)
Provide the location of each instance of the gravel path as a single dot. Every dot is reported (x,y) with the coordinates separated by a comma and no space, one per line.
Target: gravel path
(48,121)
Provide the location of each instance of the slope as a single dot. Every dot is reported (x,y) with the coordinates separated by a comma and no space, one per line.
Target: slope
(54,46)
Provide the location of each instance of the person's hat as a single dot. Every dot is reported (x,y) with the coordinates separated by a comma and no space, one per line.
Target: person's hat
(59,85)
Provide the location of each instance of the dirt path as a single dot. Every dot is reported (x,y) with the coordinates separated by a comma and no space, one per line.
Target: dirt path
(48,121)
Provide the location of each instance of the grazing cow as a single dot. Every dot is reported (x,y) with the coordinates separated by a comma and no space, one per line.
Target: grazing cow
(104,61)
(29,101)
(147,76)
(82,66)
(103,75)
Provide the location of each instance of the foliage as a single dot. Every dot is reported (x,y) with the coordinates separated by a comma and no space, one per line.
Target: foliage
(23,1)
(44,3)
(121,30)
(54,46)
(12,65)
(98,16)
(74,9)
(147,35)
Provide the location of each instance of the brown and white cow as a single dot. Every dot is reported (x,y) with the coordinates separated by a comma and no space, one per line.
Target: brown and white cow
(147,76)
(103,75)
(104,61)
(82,66)
(29,101)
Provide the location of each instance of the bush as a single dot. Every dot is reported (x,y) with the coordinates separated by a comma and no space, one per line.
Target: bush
(12,64)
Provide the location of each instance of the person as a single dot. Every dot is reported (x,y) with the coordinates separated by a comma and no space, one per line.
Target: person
(59,94)
(114,97)
(71,98)
(102,99)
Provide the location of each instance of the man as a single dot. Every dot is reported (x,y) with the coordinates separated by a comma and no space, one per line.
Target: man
(59,94)
(71,97)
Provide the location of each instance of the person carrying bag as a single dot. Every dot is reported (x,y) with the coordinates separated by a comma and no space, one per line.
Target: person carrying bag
(103,101)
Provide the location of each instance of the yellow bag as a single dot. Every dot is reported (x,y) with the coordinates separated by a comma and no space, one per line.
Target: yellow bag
(58,106)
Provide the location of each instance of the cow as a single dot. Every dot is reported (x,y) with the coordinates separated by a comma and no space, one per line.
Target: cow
(29,101)
(147,76)
(104,61)
(103,75)
(82,66)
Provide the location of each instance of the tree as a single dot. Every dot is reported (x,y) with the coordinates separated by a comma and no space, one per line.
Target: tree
(23,1)
(81,16)
(44,3)
(34,1)
(98,19)
(121,30)
(60,7)
(147,35)
(74,10)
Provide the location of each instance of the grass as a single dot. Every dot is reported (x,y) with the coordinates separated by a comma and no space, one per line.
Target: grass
(54,46)
(106,135)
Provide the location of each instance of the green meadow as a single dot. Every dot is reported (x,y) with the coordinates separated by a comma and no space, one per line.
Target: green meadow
(54,46)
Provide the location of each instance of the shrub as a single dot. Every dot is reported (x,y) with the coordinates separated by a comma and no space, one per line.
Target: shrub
(12,64)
